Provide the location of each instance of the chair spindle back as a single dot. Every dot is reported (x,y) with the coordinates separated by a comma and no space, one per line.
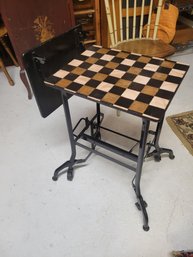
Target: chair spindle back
(126,19)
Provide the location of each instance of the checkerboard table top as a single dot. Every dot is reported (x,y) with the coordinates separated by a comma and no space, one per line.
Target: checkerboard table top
(141,85)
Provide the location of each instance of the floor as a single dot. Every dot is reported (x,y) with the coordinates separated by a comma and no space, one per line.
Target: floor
(94,215)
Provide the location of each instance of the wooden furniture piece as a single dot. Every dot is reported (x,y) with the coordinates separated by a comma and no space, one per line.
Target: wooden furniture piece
(184,31)
(126,20)
(138,85)
(2,66)
(3,33)
(87,13)
(29,23)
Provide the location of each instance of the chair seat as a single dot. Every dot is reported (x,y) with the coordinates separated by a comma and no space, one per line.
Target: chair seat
(150,47)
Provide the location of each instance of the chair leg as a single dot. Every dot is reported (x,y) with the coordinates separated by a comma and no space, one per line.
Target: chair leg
(9,52)
(6,72)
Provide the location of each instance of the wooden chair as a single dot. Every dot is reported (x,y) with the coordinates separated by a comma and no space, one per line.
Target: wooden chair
(126,20)
(3,32)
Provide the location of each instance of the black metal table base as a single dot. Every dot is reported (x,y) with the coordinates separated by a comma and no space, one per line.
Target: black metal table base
(95,140)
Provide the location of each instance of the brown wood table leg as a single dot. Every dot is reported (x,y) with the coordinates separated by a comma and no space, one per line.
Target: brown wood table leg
(25,82)
(9,52)
(2,66)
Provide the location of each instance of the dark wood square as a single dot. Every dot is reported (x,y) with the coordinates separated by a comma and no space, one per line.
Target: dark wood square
(97,94)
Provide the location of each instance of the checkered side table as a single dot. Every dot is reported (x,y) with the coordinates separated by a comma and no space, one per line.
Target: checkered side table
(130,82)
(139,85)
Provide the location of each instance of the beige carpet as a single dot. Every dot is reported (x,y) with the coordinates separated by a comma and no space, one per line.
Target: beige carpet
(182,126)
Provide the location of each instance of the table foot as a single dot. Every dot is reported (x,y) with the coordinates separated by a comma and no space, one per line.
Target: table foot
(146,228)
(141,206)
(70,170)
(157,154)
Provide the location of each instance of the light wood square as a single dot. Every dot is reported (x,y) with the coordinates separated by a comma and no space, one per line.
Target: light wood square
(61,74)
(95,67)
(159,102)
(151,67)
(107,57)
(117,73)
(88,53)
(141,79)
(104,86)
(169,86)
(75,63)
(82,80)
(177,73)
(130,94)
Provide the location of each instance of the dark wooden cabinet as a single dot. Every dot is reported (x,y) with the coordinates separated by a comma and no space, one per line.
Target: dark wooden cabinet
(92,15)
(30,23)
(184,30)
(87,13)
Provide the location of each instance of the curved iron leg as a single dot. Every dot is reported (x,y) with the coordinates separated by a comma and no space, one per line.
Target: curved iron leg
(141,204)
(72,161)
(158,150)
